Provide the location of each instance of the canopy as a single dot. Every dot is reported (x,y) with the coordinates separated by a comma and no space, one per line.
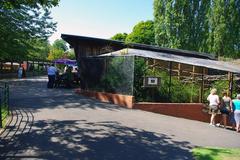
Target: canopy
(219,65)
(65,61)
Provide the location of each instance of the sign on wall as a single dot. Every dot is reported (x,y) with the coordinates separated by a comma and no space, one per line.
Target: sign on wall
(151,81)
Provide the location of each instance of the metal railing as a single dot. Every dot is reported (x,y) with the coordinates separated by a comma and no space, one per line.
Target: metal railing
(4,103)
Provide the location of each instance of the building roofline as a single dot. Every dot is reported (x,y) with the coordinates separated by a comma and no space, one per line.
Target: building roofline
(68,38)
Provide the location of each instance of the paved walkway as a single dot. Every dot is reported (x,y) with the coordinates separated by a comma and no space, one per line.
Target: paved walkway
(58,124)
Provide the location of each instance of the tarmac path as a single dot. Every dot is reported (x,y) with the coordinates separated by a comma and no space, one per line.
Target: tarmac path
(59,124)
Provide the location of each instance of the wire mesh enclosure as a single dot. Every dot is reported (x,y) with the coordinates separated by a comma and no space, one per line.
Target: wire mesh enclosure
(107,74)
(178,82)
(173,86)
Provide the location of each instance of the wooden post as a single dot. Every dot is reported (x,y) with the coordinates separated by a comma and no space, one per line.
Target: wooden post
(179,70)
(193,77)
(170,81)
(154,62)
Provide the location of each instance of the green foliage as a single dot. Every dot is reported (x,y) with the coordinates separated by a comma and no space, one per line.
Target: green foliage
(60,44)
(224,22)
(139,71)
(21,24)
(205,26)
(143,33)
(221,86)
(120,37)
(40,50)
(71,54)
(11,4)
(112,79)
(118,77)
(55,53)
(57,50)
(179,93)
(4,112)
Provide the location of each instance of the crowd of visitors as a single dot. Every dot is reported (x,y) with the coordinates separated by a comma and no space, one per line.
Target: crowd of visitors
(67,78)
(229,109)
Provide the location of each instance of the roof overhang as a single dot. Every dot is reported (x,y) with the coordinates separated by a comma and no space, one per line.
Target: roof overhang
(218,65)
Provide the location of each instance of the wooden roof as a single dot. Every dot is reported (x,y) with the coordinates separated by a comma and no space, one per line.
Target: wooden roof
(74,40)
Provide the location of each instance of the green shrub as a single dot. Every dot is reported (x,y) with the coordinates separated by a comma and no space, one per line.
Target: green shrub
(118,77)
(179,93)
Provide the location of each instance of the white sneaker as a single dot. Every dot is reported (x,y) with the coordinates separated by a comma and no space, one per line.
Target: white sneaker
(218,125)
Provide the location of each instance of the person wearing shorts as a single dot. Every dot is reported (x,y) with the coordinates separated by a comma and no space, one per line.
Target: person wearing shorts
(236,108)
(214,102)
(225,108)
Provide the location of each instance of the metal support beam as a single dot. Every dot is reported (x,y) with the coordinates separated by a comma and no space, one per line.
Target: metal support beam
(170,81)
(229,91)
(231,85)
(202,85)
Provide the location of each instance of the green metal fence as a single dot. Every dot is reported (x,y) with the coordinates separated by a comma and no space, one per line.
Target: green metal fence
(4,103)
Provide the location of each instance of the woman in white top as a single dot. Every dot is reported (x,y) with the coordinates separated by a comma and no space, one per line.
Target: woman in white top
(213,104)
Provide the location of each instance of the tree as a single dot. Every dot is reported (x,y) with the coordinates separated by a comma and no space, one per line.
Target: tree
(224,21)
(58,50)
(40,50)
(180,24)
(120,37)
(22,23)
(205,26)
(60,44)
(33,4)
(71,54)
(55,53)
(143,33)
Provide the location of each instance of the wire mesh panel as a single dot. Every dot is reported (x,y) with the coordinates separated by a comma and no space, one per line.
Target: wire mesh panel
(144,68)
(180,83)
(223,82)
(107,74)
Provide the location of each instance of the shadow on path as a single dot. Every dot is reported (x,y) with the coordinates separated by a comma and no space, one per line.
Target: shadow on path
(35,95)
(101,140)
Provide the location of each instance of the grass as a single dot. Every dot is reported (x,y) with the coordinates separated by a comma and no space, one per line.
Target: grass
(202,153)
(4,113)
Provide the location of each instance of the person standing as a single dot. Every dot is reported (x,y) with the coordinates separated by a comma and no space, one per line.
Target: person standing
(236,110)
(214,102)
(20,71)
(51,75)
(69,77)
(225,108)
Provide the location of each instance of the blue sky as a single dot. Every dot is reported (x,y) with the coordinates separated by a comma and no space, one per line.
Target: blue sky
(99,18)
